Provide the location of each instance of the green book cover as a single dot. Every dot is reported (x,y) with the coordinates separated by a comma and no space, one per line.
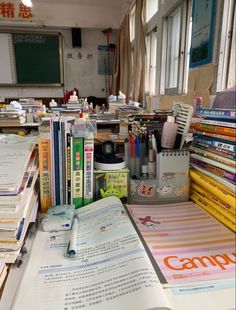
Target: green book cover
(77,161)
(88,170)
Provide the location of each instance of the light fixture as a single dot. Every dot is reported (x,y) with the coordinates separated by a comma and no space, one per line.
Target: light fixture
(20,23)
(27,3)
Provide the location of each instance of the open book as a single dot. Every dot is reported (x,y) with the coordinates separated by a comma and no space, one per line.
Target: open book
(111,269)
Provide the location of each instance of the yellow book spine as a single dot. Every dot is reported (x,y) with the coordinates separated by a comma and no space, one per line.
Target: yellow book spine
(224,212)
(215,199)
(211,210)
(45,175)
(213,187)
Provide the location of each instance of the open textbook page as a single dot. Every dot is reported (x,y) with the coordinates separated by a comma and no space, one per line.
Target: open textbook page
(111,269)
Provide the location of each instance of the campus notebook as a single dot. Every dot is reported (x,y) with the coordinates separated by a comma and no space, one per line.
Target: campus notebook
(188,244)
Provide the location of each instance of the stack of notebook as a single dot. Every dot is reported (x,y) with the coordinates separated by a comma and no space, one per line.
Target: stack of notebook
(213,166)
(18,192)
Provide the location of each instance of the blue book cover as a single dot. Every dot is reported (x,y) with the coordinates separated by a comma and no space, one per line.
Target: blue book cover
(56,161)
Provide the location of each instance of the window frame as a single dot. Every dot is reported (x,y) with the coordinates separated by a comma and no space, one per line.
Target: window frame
(226,41)
(151,38)
(183,50)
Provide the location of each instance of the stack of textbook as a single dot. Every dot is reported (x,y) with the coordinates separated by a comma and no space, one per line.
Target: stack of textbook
(18,192)
(213,165)
(66,152)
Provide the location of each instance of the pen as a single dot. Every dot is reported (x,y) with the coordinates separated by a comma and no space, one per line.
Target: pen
(132,154)
(71,249)
(137,156)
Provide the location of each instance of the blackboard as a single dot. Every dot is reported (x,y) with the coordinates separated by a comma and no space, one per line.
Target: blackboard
(37,59)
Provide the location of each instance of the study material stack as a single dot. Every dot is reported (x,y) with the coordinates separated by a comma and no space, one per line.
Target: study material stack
(66,151)
(30,104)
(18,192)
(213,165)
(12,117)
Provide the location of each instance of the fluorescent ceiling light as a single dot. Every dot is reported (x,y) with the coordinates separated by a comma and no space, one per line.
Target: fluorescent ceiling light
(27,3)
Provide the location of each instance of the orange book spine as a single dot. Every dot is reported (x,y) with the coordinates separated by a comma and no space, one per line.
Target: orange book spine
(45,175)
(214,129)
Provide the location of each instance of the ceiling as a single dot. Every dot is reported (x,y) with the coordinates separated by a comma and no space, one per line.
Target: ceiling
(93,3)
(83,13)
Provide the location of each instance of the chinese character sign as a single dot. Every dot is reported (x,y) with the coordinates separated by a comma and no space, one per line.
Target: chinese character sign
(15,11)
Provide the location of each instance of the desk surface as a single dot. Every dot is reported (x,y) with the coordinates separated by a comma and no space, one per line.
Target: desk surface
(25,125)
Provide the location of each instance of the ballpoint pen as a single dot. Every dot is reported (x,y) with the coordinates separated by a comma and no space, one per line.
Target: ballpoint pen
(71,249)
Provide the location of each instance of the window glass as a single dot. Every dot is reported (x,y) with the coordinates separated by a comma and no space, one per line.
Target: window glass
(151,8)
(132,24)
(173,48)
(151,45)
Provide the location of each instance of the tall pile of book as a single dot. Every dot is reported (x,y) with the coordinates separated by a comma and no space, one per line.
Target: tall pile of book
(213,165)
(18,193)
(66,151)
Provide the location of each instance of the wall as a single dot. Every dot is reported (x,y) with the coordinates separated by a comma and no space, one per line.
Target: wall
(79,72)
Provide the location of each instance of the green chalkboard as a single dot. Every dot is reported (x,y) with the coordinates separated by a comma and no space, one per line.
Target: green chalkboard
(37,58)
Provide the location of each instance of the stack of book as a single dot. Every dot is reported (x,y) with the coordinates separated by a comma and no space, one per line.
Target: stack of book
(213,166)
(13,117)
(18,193)
(30,104)
(66,152)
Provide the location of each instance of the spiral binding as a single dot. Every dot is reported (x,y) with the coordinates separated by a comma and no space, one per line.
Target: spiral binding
(170,153)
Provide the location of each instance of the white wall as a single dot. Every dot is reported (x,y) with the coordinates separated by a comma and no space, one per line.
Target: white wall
(82,73)
(79,73)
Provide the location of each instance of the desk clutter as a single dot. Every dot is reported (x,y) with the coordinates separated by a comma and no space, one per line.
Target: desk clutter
(94,214)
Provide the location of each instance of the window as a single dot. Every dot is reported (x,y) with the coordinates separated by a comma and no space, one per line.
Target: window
(150,80)
(226,69)
(132,24)
(176,38)
(151,8)
(173,45)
